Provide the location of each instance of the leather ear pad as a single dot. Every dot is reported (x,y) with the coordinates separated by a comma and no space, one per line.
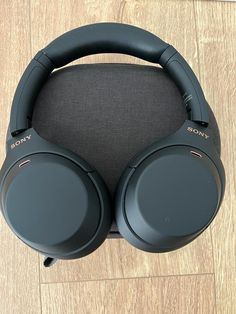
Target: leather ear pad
(168,200)
(55,206)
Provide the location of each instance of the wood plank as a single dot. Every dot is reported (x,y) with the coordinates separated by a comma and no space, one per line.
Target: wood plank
(179,295)
(47,26)
(155,16)
(118,259)
(19,275)
(216,24)
(19,291)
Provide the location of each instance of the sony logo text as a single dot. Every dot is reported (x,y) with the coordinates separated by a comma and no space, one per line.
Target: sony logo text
(21,141)
(195,131)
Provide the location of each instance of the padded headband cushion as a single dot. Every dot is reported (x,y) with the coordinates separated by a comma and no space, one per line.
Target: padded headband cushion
(107,113)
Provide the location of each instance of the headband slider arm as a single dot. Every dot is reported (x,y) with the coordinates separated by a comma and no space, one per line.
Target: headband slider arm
(27,91)
(44,60)
(184,77)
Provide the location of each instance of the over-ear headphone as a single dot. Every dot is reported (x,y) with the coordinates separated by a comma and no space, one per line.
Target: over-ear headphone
(56,203)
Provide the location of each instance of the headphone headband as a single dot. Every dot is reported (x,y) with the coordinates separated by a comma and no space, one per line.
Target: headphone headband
(105,38)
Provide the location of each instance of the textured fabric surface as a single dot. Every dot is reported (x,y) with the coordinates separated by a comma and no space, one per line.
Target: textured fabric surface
(107,113)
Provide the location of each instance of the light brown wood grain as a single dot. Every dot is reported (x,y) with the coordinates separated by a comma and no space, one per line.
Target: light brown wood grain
(167,18)
(19,272)
(118,259)
(216,24)
(204,32)
(163,295)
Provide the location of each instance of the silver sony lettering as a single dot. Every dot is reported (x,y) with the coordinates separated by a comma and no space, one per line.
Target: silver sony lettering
(21,141)
(197,132)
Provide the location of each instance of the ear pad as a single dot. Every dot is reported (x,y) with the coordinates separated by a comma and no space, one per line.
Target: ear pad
(56,206)
(168,199)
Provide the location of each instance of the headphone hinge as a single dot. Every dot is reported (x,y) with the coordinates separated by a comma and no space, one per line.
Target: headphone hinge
(44,60)
(166,55)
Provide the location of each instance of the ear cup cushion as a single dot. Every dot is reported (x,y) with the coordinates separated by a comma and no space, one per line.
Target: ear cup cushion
(107,113)
(55,205)
(168,199)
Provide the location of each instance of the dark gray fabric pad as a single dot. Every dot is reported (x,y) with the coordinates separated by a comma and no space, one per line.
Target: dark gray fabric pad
(107,113)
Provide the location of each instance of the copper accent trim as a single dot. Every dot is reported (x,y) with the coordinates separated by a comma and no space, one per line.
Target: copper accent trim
(195,153)
(23,163)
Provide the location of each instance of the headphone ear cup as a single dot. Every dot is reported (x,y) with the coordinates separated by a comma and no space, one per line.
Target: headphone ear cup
(55,205)
(168,199)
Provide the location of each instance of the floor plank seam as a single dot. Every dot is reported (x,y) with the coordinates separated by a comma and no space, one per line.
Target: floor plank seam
(126,278)
(39,283)
(200,79)
(214,274)
(39,261)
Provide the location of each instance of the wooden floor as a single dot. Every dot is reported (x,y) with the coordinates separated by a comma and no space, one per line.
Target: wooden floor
(200,278)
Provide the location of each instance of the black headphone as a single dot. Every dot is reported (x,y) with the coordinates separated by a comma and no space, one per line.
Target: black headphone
(58,204)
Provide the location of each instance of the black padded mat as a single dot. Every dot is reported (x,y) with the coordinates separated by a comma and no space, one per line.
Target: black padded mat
(107,113)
